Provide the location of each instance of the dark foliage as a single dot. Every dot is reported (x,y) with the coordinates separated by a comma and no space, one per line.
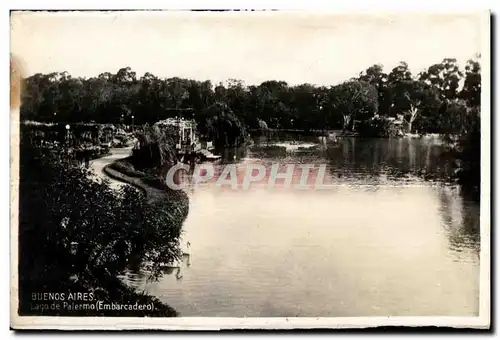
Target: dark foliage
(124,98)
(77,234)
(377,127)
(219,123)
(468,152)
(155,149)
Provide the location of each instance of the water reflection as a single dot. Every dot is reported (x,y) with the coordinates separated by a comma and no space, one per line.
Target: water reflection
(395,159)
(392,236)
(461,221)
(232,155)
(137,276)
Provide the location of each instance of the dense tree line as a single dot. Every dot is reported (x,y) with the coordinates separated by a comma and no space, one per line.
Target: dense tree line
(445,98)
(427,101)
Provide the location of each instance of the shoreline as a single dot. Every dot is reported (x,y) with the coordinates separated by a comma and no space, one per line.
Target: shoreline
(176,200)
(338,134)
(175,206)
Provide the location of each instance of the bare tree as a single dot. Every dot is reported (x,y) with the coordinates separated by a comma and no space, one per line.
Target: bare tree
(412,111)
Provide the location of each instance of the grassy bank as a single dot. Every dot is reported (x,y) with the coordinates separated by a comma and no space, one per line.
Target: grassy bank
(174,203)
(156,191)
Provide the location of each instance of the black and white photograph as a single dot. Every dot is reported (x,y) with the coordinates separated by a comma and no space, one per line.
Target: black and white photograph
(249,169)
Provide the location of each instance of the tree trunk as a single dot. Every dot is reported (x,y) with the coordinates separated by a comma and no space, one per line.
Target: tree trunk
(347,120)
(413,115)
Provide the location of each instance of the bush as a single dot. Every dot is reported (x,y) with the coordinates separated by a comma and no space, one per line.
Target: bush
(126,167)
(156,148)
(377,127)
(221,125)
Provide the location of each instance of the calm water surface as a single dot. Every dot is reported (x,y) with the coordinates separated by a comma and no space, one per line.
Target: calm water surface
(390,237)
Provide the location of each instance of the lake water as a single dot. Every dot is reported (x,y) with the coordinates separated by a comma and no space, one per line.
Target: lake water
(390,236)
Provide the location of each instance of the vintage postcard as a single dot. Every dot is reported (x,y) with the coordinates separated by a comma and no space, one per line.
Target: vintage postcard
(249,169)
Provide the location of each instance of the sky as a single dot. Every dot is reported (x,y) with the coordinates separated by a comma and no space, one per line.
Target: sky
(297,47)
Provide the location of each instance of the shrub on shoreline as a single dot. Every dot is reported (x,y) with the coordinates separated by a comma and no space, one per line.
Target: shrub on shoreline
(377,127)
(175,202)
(125,167)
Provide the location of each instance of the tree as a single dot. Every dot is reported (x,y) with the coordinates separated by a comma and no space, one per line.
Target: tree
(445,76)
(125,76)
(413,99)
(236,96)
(400,73)
(354,99)
(177,91)
(219,123)
(271,106)
(220,93)
(303,106)
(453,118)
(471,92)
(468,152)
(200,95)
(376,76)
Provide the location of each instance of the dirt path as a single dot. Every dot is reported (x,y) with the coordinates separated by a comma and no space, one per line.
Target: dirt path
(97,165)
(117,179)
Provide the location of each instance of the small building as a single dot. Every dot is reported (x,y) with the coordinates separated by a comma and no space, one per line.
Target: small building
(107,133)
(185,133)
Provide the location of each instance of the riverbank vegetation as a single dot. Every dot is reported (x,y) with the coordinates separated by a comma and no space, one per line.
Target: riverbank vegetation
(147,167)
(376,103)
(123,97)
(77,234)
